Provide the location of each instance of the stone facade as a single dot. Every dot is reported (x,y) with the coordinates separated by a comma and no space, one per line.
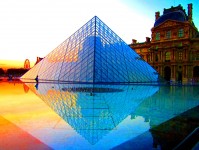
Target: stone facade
(173,49)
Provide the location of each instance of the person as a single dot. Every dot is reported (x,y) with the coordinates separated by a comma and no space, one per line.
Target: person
(9,77)
(37,78)
(36,85)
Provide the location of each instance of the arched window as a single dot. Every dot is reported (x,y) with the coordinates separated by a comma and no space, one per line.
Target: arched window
(180,55)
(167,57)
(156,57)
(168,34)
(157,36)
(197,56)
(167,73)
(196,71)
(180,33)
(148,58)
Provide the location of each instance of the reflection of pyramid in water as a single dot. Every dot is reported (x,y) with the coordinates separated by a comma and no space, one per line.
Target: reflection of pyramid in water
(93,115)
(93,54)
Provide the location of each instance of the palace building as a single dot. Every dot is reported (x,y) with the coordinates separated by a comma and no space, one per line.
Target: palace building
(173,49)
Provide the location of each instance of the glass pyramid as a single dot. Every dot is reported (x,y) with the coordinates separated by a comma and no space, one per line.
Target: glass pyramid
(93,54)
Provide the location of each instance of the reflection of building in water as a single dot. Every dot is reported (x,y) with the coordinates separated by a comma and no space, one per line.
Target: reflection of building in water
(172,113)
(93,110)
(167,103)
(93,54)
(27,64)
(171,133)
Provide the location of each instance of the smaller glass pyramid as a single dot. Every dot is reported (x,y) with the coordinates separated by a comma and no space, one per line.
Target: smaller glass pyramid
(93,54)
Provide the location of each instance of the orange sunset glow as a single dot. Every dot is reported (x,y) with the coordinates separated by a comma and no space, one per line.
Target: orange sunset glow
(23,116)
(31,29)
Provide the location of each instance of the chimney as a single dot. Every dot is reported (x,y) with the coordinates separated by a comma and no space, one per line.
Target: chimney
(157,15)
(147,39)
(134,41)
(190,12)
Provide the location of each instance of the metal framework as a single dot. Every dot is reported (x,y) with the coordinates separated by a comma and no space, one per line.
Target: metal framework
(93,54)
(93,110)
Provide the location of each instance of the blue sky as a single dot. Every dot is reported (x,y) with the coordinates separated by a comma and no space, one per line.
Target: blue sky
(31,28)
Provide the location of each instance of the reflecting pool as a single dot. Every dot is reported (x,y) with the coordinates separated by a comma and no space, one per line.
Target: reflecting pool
(86,116)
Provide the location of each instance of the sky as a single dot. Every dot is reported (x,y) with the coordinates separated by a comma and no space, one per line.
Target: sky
(31,28)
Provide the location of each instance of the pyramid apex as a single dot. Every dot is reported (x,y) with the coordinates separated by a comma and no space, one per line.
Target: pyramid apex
(93,54)
(95,18)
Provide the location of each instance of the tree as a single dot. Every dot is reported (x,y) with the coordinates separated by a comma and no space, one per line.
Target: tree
(16,72)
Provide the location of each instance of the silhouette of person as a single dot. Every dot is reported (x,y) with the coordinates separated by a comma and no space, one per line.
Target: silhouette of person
(36,86)
(9,77)
(37,78)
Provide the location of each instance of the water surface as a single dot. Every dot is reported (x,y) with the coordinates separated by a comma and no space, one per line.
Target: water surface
(86,116)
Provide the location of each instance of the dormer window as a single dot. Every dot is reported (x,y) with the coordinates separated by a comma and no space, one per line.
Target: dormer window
(157,36)
(156,57)
(168,34)
(180,33)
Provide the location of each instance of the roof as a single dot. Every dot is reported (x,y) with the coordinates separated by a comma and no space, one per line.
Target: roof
(173,13)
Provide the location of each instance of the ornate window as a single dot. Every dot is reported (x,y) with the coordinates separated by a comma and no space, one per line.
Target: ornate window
(180,55)
(157,36)
(148,58)
(180,33)
(167,57)
(195,56)
(168,34)
(156,57)
(156,48)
